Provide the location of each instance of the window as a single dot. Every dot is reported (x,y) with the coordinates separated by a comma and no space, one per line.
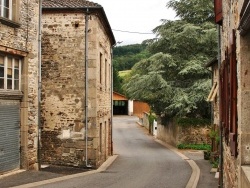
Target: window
(100,137)
(9,12)
(106,74)
(10,73)
(244,25)
(100,68)
(6,9)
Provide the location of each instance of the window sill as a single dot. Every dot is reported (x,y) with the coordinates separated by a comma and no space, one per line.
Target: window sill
(11,94)
(9,22)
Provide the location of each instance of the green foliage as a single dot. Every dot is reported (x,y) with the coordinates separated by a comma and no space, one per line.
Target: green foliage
(214,134)
(126,56)
(192,121)
(117,82)
(193,11)
(151,118)
(174,81)
(124,73)
(194,146)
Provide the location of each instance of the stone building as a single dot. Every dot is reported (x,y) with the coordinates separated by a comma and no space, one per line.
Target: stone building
(19,23)
(76,34)
(233,19)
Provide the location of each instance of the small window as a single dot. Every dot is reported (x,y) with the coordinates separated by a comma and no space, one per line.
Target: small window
(10,72)
(6,9)
(9,12)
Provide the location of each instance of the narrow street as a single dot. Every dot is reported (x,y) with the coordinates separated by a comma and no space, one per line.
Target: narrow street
(141,162)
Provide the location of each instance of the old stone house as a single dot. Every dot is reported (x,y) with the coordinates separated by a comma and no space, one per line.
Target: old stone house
(233,19)
(19,25)
(76,101)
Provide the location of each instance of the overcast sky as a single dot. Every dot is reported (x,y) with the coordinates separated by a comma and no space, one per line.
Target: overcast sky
(135,16)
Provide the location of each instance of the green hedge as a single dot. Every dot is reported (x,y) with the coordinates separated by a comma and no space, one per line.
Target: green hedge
(192,121)
(194,146)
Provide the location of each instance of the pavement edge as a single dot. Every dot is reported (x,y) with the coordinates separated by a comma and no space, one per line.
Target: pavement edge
(193,181)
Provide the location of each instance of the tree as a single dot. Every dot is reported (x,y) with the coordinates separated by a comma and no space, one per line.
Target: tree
(174,81)
(126,56)
(117,82)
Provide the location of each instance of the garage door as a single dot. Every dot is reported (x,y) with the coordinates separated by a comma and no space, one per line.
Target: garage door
(9,135)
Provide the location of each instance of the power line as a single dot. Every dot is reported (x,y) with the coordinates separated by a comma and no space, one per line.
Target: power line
(132,32)
(135,32)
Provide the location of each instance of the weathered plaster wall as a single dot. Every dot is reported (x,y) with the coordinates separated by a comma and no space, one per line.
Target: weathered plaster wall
(25,39)
(63,73)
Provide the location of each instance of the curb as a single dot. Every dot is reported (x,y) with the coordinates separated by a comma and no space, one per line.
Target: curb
(193,181)
(102,168)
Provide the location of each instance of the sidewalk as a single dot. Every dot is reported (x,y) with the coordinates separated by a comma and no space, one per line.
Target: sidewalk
(27,179)
(24,177)
(207,179)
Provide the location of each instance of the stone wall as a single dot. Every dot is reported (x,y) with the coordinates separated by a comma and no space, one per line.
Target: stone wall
(63,96)
(232,165)
(23,42)
(174,134)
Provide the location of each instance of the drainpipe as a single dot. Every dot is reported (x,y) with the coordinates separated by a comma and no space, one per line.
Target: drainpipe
(39,84)
(86,87)
(112,90)
(221,124)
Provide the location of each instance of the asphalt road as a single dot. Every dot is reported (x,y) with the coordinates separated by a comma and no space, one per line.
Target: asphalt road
(141,163)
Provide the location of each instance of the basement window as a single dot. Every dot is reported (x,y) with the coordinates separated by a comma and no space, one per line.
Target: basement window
(10,73)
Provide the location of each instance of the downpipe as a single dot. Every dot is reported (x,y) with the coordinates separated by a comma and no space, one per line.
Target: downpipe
(221,123)
(86,88)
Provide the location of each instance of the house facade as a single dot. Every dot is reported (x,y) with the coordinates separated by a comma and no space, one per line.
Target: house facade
(76,101)
(19,23)
(233,19)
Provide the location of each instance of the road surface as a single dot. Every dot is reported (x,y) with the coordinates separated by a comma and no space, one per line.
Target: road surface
(141,163)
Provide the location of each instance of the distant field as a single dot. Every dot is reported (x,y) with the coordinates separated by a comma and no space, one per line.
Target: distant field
(124,73)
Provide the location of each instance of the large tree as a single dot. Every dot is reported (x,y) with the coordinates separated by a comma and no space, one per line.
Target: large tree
(174,80)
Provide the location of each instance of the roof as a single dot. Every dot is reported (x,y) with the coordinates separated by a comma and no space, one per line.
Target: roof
(69,4)
(118,96)
(211,62)
(80,5)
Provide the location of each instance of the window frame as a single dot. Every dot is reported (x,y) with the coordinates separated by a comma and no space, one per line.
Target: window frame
(3,8)
(13,19)
(13,79)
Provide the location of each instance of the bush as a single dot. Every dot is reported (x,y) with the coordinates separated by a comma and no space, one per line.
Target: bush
(194,146)
(192,121)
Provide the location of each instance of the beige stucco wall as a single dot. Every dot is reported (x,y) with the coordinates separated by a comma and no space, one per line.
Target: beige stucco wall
(63,96)
(23,42)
